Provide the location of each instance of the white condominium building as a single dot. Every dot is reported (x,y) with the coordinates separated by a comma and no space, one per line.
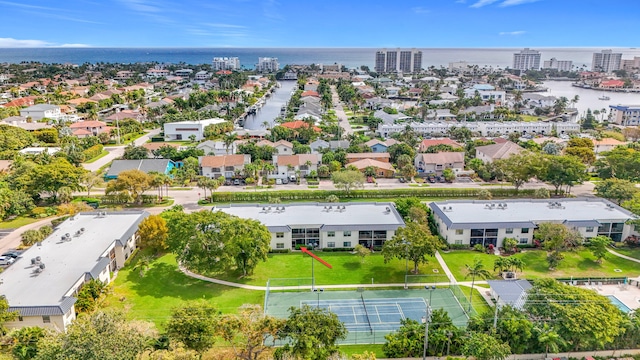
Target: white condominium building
(526,59)
(226,63)
(606,61)
(397,60)
(267,65)
(561,65)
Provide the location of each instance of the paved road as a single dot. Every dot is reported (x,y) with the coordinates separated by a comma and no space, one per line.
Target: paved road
(117,151)
(342,117)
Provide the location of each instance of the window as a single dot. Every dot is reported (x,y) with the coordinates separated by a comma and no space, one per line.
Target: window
(346,233)
(524,241)
(346,244)
(280,246)
(509,230)
(46,319)
(589,228)
(458,242)
(279,235)
(331,244)
(331,233)
(525,230)
(459,231)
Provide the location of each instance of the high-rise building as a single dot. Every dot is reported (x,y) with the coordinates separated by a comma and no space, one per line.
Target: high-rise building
(397,60)
(629,65)
(226,63)
(267,65)
(561,65)
(526,59)
(606,61)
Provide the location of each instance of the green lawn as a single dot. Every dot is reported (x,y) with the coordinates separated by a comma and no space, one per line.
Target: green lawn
(163,287)
(634,253)
(18,222)
(350,350)
(347,269)
(478,302)
(580,263)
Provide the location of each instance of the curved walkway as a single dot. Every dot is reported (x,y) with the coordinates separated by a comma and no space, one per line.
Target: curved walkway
(337,286)
(623,256)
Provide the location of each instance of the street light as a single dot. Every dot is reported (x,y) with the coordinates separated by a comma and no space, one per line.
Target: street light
(318,291)
(426,320)
(406,263)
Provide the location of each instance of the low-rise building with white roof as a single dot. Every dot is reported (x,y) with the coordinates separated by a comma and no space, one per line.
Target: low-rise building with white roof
(485,222)
(184,129)
(43,283)
(325,225)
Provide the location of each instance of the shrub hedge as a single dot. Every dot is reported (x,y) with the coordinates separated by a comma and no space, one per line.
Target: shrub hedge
(321,195)
(93,151)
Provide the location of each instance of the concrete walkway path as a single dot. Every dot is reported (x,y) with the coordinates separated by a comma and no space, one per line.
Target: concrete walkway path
(308,287)
(623,256)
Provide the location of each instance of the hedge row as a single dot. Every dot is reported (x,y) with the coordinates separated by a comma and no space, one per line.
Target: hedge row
(321,195)
(116,199)
(93,151)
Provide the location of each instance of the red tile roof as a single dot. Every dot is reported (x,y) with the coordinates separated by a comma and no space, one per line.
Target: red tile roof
(298,124)
(224,160)
(426,143)
(87,124)
(309,93)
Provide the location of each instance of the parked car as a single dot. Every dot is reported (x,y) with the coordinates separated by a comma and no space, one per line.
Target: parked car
(236,182)
(402,180)
(285,181)
(278,181)
(12,254)
(6,260)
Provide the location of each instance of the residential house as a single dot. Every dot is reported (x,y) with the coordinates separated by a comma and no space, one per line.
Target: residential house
(436,162)
(20,102)
(440,115)
(42,285)
(297,124)
(283,147)
(154,146)
(378,146)
(606,144)
(89,128)
(124,75)
(390,118)
(333,225)
(317,145)
(25,124)
(162,166)
(382,169)
(183,130)
(484,222)
(382,157)
(490,153)
(289,165)
(427,143)
(217,148)
(39,150)
(625,115)
(126,114)
(40,111)
(227,166)
(80,101)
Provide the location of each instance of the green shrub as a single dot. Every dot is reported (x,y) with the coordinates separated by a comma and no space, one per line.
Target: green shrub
(525,246)
(58,221)
(337,249)
(459,247)
(321,195)
(93,151)
(279,251)
(478,247)
(30,237)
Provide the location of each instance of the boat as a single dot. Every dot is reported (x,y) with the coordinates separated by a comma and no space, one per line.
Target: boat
(604,97)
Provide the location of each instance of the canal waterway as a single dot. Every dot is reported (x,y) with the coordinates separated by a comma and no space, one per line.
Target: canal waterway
(589,97)
(272,109)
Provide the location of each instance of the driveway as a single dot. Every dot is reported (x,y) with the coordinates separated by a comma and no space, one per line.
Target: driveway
(117,151)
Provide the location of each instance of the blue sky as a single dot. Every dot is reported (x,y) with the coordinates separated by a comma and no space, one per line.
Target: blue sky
(323,23)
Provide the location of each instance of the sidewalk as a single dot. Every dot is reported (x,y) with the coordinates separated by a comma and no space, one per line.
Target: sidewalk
(623,256)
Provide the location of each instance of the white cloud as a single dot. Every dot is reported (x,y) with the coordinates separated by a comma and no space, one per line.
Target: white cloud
(16,43)
(219,25)
(481,3)
(74,45)
(141,5)
(420,10)
(23,43)
(512,33)
(506,3)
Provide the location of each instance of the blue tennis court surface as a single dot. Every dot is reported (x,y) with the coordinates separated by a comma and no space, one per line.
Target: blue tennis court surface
(373,314)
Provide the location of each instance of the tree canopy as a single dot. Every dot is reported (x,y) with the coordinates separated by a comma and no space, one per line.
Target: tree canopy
(413,242)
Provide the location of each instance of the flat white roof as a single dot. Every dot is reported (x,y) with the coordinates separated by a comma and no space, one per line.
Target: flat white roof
(65,261)
(328,216)
(204,122)
(460,214)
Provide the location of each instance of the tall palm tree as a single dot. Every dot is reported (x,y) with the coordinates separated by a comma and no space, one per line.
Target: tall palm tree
(228,140)
(550,339)
(476,270)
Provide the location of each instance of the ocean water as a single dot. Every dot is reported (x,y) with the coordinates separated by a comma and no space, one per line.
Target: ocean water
(349,57)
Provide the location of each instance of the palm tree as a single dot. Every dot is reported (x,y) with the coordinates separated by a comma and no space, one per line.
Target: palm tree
(551,340)
(476,270)
(228,140)
(266,125)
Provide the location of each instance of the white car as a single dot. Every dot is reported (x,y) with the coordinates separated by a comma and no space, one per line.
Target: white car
(6,260)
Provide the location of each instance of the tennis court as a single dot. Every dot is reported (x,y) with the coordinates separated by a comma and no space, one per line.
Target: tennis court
(369,314)
(373,314)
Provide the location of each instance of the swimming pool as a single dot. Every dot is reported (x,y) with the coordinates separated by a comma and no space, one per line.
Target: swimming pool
(614,300)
